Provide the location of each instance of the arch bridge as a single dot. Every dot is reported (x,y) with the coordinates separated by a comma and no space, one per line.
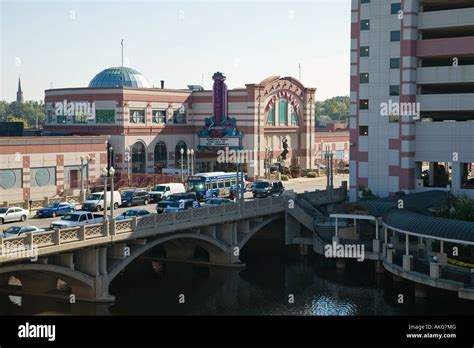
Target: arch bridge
(89,257)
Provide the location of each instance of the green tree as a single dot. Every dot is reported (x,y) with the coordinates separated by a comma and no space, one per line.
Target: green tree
(11,118)
(337,108)
(28,111)
(3,110)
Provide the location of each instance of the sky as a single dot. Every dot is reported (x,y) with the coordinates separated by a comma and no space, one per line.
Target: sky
(64,44)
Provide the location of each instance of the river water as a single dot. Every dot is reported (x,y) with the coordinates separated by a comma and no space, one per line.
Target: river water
(275,281)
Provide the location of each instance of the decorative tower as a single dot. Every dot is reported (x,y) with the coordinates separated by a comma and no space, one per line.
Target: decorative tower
(19,93)
(219,97)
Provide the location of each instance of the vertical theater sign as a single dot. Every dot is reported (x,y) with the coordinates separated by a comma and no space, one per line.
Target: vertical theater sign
(220,130)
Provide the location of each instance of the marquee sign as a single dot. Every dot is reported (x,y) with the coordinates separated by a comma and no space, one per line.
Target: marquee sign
(219,130)
(230,142)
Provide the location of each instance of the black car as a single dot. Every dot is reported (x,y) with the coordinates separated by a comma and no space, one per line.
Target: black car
(265,188)
(130,198)
(174,198)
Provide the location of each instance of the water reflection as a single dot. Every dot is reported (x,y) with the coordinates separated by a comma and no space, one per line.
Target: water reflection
(263,288)
(325,305)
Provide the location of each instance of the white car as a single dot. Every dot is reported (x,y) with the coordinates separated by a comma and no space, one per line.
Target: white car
(13,214)
(162,191)
(15,231)
(76,219)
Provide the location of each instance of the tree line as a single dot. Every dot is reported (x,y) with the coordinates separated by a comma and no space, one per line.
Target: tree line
(336,108)
(28,112)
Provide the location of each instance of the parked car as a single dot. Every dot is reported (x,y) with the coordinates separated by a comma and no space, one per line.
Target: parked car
(319,166)
(76,219)
(182,205)
(265,188)
(174,198)
(217,201)
(278,167)
(346,169)
(14,231)
(131,213)
(95,201)
(54,209)
(137,197)
(162,191)
(13,214)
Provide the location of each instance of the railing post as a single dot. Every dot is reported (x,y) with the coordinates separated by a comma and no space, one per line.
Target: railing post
(113,224)
(1,245)
(390,255)
(82,232)
(173,218)
(134,223)
(155,220)
(29,239)
(57,236)
(434,270)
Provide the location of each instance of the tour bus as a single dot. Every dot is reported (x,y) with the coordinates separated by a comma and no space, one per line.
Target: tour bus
(213,184)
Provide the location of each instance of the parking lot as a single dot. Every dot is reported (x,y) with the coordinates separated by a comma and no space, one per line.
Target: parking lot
(298,185)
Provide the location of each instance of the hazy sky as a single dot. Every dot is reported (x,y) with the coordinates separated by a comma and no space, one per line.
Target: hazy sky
(65,43)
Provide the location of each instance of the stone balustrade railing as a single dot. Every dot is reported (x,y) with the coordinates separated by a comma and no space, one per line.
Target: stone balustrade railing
(22,247)
(39,203)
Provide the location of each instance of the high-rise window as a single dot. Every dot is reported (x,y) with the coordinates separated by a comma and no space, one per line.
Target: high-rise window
(364,131)
(364,78)
(364,104)
(364,1)
(394,63)
(394,90)
(365,24)
(364,51)
(395,35)
(395,8)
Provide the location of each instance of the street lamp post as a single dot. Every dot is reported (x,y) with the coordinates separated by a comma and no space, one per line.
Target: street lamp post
(86,159)
(192,161)
(329,168)
(181,151)
(188,157)
(82,175)
(112,203)
(104,173)
(127,158)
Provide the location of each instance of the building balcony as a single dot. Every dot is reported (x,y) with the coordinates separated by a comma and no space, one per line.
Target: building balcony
(446,102)
(448,47)
(445,74)
(446,19)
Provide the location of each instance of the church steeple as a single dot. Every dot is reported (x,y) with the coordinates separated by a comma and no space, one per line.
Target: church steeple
(19,93)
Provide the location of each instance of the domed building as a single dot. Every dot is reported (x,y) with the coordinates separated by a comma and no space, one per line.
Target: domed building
(148,126)
(120,77)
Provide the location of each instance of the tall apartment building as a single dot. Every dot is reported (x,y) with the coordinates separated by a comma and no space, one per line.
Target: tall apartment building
(412,96)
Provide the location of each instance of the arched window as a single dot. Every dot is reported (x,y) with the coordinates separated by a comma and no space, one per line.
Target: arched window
(160,155)
(294,116)
(138,158)
(271,116)
(177,154)
(283,111)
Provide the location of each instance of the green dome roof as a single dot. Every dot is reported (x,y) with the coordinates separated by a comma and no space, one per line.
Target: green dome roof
(120,77)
